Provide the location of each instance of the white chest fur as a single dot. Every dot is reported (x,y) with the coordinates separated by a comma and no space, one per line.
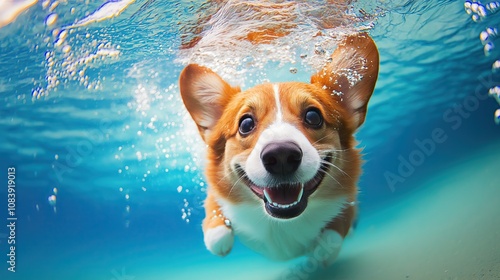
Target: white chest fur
(278,238)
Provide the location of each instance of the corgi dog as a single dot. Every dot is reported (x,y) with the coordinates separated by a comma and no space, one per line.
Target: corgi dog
(282,165)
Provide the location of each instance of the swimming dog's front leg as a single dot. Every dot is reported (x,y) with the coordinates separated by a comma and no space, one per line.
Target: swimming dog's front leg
(217,230)
(328,244)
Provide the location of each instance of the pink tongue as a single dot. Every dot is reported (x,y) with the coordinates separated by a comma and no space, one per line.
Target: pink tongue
(285,194)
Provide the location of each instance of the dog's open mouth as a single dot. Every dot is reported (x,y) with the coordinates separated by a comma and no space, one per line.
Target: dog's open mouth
(287,200)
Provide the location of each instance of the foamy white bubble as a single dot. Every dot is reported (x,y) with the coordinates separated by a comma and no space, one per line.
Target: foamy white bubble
(11,9)
(108,10)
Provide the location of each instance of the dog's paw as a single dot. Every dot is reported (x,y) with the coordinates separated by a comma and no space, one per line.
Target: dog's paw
(327,248)
(219,240)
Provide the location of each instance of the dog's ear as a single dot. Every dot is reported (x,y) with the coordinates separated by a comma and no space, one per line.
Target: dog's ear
(204,94)
(351,73)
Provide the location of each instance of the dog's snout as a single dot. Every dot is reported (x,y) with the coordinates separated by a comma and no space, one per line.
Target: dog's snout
(281,158)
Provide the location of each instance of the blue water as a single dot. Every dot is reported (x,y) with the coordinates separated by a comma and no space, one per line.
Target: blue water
(109,181)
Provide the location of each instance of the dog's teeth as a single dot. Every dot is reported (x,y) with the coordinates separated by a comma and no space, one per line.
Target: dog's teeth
(268,197)
(284,206)
(300,193)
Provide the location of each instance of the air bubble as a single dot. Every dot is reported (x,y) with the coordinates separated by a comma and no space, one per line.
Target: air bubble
(488,48)
(63,34)
(53,6)
(484,36)
(66,49)
(467,7)
(493,6)
(495,93)
(496,66)
(474,7)
(492,31)
(481,11)
(139,155)
(487,35)
(51,19)
(319,50)
(52,200)
(45,4)
(293,70)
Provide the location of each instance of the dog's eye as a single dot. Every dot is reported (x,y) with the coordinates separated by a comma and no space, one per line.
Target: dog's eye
(247,124)
(313,118)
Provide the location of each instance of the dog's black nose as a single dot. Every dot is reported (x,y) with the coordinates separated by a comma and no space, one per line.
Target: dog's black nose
(281,158)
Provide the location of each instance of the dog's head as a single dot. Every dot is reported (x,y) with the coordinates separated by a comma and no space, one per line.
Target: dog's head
(281,145)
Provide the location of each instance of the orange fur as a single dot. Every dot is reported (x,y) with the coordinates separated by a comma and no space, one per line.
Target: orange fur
(340,92)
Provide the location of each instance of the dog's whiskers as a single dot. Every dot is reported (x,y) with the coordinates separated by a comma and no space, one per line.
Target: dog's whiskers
(240,172)
(336,167)
(320,139)
(335,152)
(235,183)
(325,172)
